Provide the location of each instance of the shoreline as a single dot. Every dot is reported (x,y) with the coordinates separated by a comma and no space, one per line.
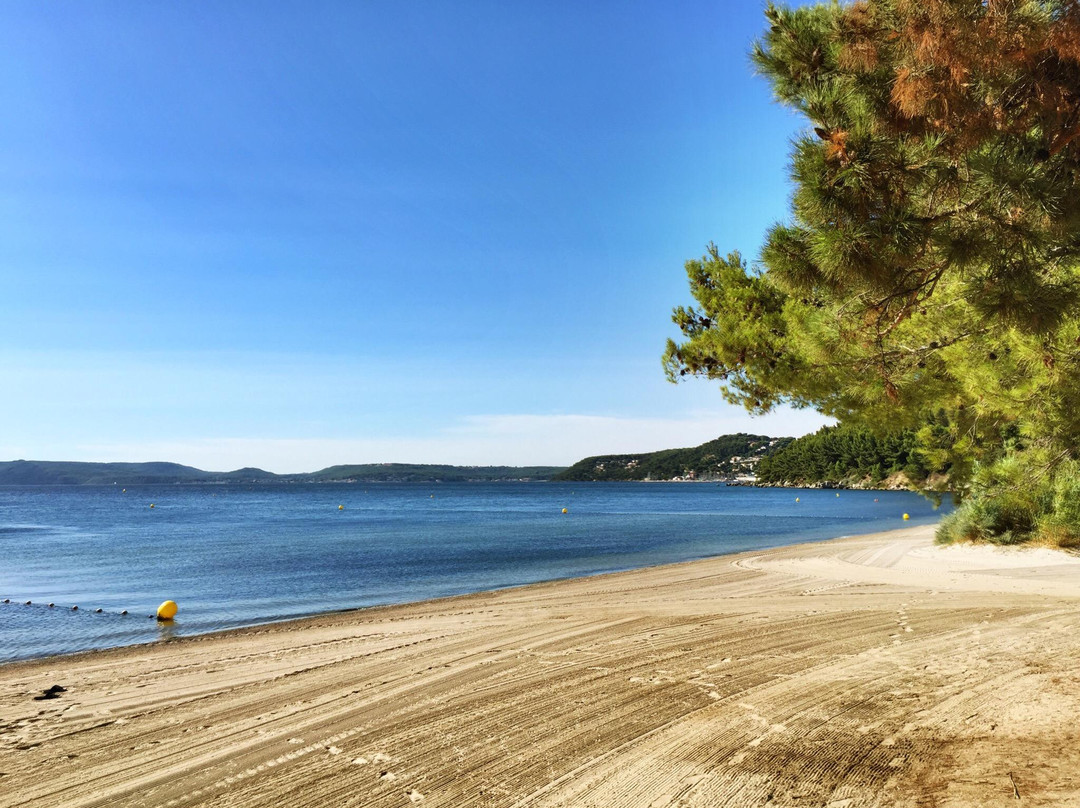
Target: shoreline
(134,631)
(314,616)
(868,670)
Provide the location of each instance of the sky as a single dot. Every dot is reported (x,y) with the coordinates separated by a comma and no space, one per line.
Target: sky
(290,235)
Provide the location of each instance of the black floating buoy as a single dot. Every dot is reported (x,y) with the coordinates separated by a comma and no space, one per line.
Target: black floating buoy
(7,600)
(97,611)
(28,602)
(124,612)
(51,605)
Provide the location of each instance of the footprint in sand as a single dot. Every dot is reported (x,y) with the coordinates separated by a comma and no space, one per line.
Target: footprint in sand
(381,757)
(333,750)
(387,776)
(360,761)
(414,795)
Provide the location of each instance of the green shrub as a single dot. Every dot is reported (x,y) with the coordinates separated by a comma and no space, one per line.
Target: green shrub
(1061,524)
(1008,503)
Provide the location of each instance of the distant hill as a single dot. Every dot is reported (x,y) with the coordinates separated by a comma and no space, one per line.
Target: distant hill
(409,473)
(41,472)
(727,457)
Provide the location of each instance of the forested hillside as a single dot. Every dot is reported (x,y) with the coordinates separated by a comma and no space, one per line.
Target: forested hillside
(846,455)
(726,457)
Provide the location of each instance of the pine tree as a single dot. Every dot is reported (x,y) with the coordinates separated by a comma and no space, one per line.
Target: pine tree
(929,276)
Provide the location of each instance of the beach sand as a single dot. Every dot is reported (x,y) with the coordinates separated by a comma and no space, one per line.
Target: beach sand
(871,671)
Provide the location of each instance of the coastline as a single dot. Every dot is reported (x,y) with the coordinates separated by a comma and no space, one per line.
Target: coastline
(489,536)
(871,670)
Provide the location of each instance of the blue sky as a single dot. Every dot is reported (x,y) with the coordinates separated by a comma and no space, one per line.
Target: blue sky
(291,235)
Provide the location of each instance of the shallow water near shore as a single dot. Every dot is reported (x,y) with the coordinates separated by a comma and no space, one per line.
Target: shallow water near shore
(239,555)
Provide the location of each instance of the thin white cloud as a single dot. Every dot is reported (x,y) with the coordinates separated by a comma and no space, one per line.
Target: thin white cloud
(293,413)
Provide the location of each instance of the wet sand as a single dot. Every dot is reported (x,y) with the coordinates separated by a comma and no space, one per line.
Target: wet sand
(872,671)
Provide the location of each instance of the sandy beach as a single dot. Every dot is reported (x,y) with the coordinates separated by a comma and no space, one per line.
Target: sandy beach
(871,671)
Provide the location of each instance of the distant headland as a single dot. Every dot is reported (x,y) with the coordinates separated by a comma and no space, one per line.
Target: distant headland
(841,457)
(41,472)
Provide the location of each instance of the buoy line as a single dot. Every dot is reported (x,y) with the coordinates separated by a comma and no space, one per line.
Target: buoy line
(75,608)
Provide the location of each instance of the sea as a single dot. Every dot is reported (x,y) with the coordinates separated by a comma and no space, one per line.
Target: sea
(234,555)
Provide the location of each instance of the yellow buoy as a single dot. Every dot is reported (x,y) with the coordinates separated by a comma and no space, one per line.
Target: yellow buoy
(906,516)
(167,610)
(123,490)
(837,495)
(341,507)
(151,504)
(566,510)
(796,499)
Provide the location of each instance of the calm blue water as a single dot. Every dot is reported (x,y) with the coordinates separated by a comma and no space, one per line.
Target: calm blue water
(234,555)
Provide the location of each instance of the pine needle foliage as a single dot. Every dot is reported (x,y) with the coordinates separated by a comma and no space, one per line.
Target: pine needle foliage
(929,272)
